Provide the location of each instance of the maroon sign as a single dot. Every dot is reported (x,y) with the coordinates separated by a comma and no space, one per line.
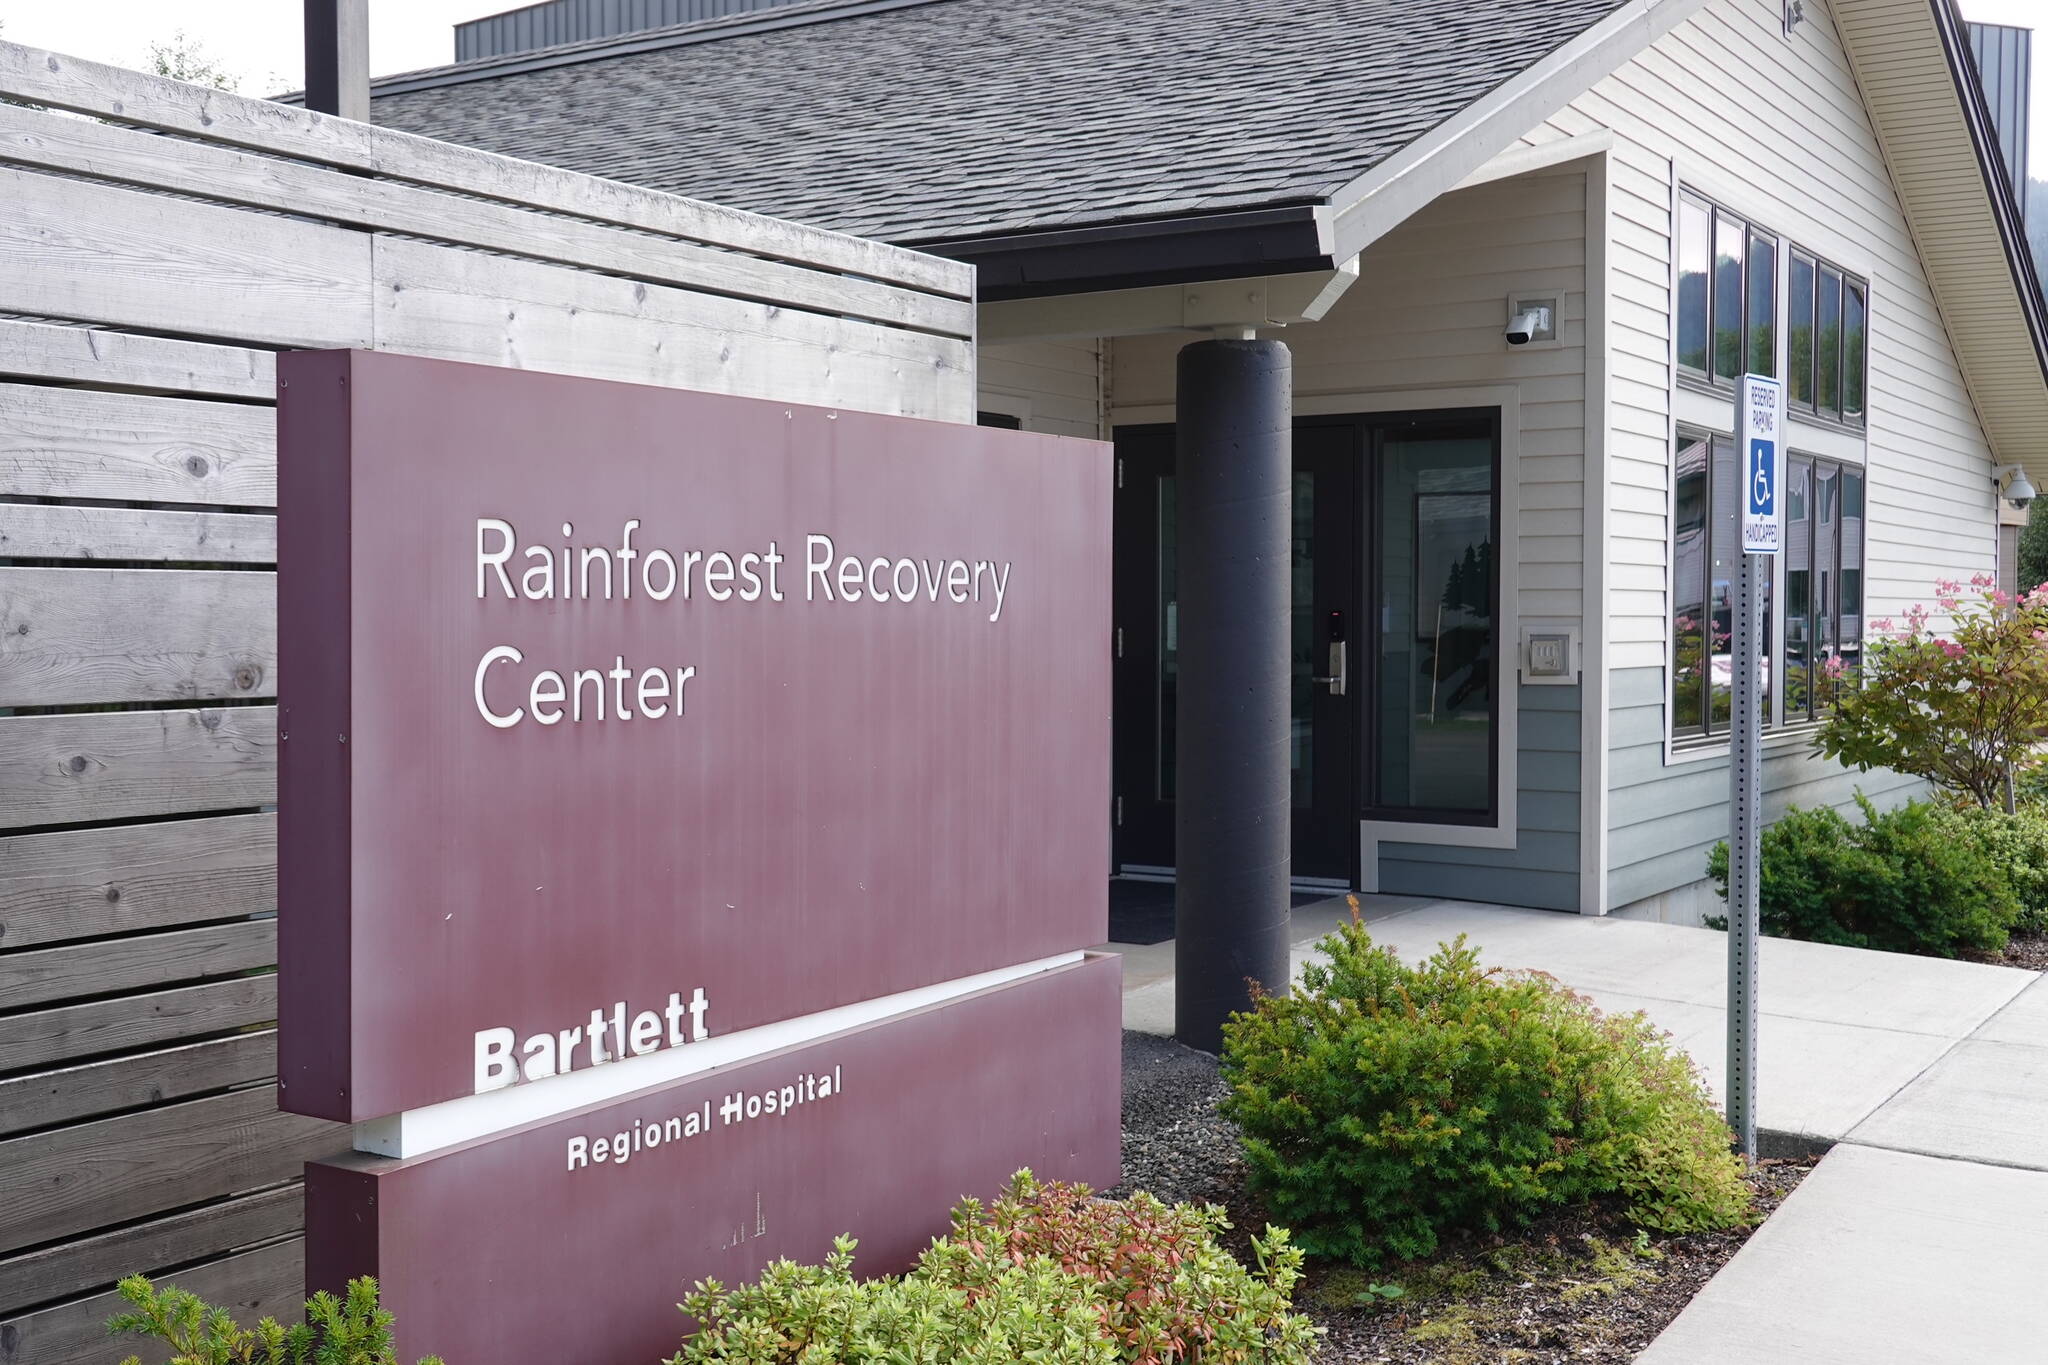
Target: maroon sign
(574,1238)
(615,718)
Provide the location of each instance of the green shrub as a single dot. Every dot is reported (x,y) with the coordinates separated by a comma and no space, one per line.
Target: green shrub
(2017,845)
(349,1331)
(1918,879)
(1045,1273)
(1383,1105)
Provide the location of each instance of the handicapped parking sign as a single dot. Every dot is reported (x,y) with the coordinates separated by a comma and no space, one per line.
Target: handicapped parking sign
(1760,419)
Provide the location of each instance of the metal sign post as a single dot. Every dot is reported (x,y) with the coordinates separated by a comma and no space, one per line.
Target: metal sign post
(1759,422)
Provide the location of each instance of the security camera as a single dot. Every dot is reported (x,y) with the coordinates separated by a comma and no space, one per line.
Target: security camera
(1527,325)
(2012,480)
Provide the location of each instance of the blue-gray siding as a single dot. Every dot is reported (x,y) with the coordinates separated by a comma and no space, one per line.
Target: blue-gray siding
(571,21)
(1543,868)
(1664,818)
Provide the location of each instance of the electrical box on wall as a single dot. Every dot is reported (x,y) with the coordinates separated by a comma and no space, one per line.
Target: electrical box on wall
(1550,656)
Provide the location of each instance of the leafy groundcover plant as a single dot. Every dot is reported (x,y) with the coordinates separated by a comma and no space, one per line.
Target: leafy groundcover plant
(1923,878)
(1047,1274)
(1383,1106)
(351,1330)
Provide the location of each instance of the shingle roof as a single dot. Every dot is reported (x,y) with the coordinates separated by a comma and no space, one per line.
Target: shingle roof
(962,118)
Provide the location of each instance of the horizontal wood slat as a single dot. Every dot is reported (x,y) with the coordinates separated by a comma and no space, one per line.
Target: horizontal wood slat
(266,1282)
(68,1032)
(81,636)
(264,125)
(68,1180)
(72,769)
(127,360)
(84,883)
(40,975)
(82,1092)
(86,534)
(96,1263)
(97,253)
(77,443)
(44,141)
(497,311)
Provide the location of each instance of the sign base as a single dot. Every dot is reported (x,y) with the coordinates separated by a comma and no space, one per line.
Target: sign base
(574,1238)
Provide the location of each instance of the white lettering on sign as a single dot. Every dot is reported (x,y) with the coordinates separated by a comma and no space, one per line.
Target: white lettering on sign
(741,1106)
(502,1058)
(617,569)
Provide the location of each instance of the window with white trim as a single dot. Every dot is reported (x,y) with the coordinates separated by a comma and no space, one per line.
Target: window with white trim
(1727,294)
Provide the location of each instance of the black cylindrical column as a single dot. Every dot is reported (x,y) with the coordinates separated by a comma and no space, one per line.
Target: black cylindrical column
(1234,453)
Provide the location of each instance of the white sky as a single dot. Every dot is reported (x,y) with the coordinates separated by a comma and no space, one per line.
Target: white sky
(259,40)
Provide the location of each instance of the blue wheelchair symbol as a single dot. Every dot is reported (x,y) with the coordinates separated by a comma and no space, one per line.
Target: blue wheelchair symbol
(1762,496)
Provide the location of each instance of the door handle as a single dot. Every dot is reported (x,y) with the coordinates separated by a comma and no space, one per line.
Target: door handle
(1339,669)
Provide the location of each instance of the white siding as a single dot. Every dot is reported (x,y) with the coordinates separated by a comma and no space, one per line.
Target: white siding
(1774,129)
(1055,387)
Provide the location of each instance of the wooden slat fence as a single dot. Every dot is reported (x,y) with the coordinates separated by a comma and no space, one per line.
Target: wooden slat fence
(159,243)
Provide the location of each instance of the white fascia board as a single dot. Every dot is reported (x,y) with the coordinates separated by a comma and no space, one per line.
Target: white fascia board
(1440,160)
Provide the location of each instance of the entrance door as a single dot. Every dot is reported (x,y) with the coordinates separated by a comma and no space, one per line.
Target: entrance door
(1328,656)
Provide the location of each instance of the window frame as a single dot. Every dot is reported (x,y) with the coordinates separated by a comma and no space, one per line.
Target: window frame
(1753,233)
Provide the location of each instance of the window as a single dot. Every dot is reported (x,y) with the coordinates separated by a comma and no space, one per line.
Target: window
(1824,519)
(1727,294)
(1827,355)
(1434,706)
(1822,589)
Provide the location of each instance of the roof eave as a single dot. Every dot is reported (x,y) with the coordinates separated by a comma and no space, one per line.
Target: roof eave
(1182,249)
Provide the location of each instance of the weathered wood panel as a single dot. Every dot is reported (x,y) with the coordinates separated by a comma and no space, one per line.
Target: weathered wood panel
(85,883)
(70,636)
(136,996)
(54,531)
(43,141)
(151,101)
(76,443)
(77,249)
(48,1098)
(43,1037)
(68,1180)
(496,311)
(95,1263)
(146,961)
(74,769)
(266,1282)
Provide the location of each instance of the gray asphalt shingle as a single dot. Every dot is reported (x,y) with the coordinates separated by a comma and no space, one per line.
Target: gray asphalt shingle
(966,118)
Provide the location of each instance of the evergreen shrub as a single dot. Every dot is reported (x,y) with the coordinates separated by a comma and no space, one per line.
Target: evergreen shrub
(1046,1273)
(352,1330)
(1383,1106)
(1923,878)
(2017,845)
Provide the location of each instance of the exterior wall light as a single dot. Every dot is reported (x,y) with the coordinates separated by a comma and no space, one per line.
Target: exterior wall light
(2013,482)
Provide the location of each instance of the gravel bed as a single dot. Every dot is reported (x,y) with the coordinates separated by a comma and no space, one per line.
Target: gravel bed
(1580,1286)
(2026,950)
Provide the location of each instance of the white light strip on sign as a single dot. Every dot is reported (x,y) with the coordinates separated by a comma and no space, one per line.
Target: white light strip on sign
(417,1132)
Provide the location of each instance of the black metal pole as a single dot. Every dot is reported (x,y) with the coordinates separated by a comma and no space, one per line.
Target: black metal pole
(1234,452)
(338,58)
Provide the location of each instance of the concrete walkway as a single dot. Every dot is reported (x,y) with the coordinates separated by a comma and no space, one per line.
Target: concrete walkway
(1922,1236)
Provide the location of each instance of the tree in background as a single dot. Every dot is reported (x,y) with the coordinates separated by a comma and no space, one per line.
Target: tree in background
(2033,555)
(185,59)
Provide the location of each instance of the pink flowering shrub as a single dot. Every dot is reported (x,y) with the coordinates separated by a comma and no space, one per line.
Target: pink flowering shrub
(1967,711)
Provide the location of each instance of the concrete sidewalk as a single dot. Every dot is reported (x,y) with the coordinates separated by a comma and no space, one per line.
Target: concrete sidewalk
(1922,1236)
(1843,1030)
